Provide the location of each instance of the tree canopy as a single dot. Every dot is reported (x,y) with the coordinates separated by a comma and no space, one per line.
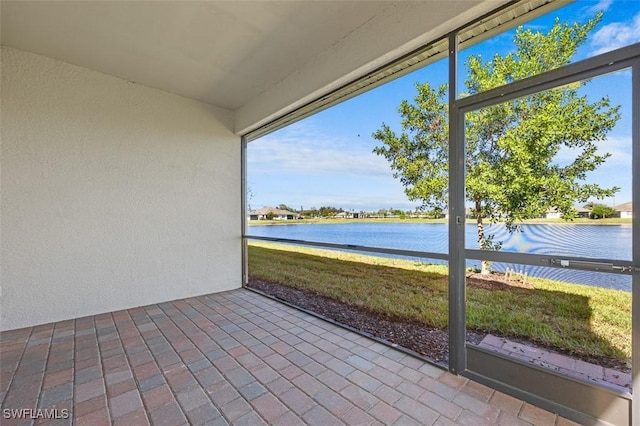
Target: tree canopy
(512,165)
(283,206)
(601,211)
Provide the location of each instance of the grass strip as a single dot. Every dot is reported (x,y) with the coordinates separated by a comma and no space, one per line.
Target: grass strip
(575,318)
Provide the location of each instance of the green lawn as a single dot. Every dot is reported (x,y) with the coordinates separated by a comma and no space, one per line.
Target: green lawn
(577,318)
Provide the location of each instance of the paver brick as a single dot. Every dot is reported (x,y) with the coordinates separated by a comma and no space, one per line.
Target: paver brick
(390,364)
(297,401)
(308,384)
(222,393)
(236,357)
(192,398)
(95,418)
(410,389)
(478,407)
(205,414)
(168,415)
(56,395)
(157,397)
(320,417)
(439,388)
(478,390)
(506,403)
(269,407)
(405,420)
(443,421)
(416,410)
(339,367)
(537,416)
(89,390)
(57,378)
(385,413)
(134,418)
(456,382)
(333,402)
(121,387)
(252,390)
(249,419)
(468,418)
(279,386)
(235,409)
(441,405)
(359,397)
(509,419)
(125,403)
(314,368)
(89,406)
(360,363)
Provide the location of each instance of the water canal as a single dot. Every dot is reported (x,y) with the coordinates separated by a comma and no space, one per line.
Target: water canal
(582,240)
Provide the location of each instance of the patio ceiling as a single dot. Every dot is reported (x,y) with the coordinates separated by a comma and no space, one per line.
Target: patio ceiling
(260,59)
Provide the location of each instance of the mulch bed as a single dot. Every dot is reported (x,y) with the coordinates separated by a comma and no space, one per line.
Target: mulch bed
(431,343)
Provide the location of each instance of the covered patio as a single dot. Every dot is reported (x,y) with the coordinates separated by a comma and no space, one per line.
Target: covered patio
(124,197)
(234,357)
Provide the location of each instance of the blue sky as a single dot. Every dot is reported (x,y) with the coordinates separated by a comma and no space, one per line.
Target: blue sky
(327,159)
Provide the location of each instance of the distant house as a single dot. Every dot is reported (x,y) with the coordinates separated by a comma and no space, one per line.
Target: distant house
(583,212)
(266,213)
(348,215)
(624,210)
(553,213)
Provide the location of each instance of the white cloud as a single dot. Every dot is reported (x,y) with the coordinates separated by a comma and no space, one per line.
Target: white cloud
(616,35)
(601,6)
(306,165)
(615,171)
(301,149)
(619,148)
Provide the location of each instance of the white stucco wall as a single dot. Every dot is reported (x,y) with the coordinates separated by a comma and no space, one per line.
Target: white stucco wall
(114,194)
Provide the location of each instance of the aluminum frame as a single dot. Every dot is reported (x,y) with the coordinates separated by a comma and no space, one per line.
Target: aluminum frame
(622,267)
(512,375)
(583,402)
(635,241)
(457,289)
(354,247)
(244,201)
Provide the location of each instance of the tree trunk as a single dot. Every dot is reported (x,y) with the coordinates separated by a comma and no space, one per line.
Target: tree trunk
(482,240)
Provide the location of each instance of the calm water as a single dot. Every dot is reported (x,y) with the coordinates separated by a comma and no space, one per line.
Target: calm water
(598,241)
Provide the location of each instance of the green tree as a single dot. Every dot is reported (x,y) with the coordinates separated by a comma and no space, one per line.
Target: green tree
(283,206)
(601,211)
(328,211)
(512,172)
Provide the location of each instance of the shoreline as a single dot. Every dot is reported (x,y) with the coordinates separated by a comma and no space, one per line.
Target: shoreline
(331,221)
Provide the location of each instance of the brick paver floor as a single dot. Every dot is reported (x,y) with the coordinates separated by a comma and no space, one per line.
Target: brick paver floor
(231,358)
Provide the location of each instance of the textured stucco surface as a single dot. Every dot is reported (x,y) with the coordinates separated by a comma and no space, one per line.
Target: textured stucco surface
(114,194)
